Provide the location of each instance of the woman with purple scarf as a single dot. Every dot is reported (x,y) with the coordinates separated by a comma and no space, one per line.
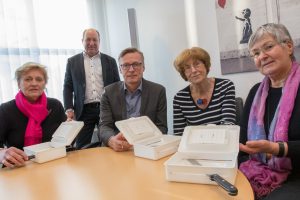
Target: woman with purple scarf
(270,127)
(30,118)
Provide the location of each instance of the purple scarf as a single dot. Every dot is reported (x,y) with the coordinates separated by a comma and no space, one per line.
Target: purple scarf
(36,114)
(267,175)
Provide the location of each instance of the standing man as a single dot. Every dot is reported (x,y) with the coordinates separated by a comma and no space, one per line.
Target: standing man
(86,75)
(132,97)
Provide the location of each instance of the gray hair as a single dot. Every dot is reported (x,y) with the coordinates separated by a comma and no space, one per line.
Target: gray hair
(278,31)
(130,50)
(30,66)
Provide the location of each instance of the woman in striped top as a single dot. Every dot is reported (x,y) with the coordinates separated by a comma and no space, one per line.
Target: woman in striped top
(205,100)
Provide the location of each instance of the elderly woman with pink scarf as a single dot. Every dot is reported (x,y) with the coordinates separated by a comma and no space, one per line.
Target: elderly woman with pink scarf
(30,118)
(270,128)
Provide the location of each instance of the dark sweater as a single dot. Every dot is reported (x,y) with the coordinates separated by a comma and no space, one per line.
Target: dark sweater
(13,123)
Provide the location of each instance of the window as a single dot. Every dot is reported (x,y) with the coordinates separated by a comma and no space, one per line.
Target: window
(47,31)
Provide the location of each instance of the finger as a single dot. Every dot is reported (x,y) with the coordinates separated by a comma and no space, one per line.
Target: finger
(126,145)
(122,137)
(257,143)
(15,159)
(247,149)
(21,153)
(16,156)
(7,164)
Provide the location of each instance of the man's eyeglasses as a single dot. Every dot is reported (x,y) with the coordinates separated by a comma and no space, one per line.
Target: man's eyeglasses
(135,65)
(195,65)
(266,48)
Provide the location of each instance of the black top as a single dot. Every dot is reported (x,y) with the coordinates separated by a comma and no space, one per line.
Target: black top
(293,130)
(13,123)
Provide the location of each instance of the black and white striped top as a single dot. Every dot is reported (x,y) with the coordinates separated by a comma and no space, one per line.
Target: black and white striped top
(220,110)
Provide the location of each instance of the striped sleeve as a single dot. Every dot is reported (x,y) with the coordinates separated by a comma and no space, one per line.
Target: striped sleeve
(179,121)
(227,91)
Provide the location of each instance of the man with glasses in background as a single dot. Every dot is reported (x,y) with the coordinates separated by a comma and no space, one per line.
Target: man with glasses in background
(132,97)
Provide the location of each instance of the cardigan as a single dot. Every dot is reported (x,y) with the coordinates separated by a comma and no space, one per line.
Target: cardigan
(13,123)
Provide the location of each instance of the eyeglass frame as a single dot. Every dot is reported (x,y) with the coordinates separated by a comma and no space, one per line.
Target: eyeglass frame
(134,65)
(265,48)
(188,68)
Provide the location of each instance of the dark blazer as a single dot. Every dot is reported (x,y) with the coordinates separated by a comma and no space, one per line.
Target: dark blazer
(74,84)
(13,123)
(113,107)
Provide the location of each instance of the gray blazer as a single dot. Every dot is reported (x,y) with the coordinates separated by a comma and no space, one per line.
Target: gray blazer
(113,107)
(74,83)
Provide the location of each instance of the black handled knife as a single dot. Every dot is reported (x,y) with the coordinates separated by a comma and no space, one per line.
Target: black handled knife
(231,189)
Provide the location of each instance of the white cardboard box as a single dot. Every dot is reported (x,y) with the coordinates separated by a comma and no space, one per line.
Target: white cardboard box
(203,150)
(147,139)
(62,137)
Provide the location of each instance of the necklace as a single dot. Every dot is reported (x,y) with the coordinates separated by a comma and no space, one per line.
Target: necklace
(201,101)
(201,97)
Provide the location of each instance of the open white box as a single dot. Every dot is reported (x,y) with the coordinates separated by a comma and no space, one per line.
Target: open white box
(204,150)
(62,137)
(147,139)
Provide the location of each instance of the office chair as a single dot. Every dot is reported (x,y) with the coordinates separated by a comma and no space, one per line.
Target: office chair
(238,109)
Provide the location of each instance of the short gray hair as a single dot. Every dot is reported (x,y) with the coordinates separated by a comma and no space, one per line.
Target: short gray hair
(30,66)
(278,31)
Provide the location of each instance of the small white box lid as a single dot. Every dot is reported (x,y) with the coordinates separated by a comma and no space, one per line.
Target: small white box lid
(66,133)
(138,129)
(211,141)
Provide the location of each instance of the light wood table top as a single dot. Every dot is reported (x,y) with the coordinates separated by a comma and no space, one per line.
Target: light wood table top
(101,173)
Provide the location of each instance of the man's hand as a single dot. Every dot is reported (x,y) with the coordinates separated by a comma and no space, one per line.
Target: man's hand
(70,114)
(119,143)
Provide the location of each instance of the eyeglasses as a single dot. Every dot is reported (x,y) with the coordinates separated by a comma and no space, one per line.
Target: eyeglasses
(266,48)
(135,65)
(195,65)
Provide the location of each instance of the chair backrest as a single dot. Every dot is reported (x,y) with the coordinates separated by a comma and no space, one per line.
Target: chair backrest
(238,109)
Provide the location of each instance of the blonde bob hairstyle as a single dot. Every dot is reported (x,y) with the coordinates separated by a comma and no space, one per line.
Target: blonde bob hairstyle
(28,67)
(195,53)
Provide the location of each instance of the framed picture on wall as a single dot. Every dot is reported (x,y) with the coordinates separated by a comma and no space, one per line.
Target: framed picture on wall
(238,19)
(289,15)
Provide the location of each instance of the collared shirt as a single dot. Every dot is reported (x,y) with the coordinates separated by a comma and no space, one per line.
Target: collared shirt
(93,78)
(133,101)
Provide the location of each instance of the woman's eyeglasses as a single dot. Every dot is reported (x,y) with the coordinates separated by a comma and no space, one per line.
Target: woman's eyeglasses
(266,48)
(195,65)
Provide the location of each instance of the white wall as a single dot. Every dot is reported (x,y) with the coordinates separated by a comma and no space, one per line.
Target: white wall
(164,31)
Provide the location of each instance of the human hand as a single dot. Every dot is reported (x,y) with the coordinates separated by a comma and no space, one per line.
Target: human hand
(70,115)
(119,143)
(259,146)
(12,157)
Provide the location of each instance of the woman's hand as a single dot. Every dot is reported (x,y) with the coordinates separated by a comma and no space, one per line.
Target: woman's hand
(12,157)
(260,146)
